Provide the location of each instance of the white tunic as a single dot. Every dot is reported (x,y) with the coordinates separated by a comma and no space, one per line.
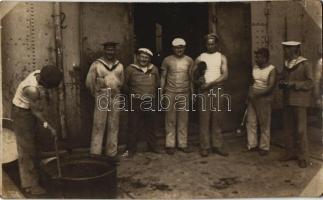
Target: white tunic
(213,62)
(19,99)
(100,77)
(261,76)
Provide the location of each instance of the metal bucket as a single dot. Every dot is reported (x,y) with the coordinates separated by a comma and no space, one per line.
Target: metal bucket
(82,177)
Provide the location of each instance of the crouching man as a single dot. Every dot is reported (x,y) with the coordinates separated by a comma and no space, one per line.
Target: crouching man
(26,110)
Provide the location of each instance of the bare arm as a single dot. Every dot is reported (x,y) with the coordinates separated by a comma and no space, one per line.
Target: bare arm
(35,105)
(190,73)
(317,78)
(224,69)
(163,74)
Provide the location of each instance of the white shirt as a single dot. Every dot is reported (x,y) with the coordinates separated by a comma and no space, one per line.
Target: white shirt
(100,77)
(213,62)
(20,100)
(261,76)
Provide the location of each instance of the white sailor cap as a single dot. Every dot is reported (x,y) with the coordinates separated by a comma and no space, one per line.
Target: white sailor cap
(178,42)
(145,51)
(291,43)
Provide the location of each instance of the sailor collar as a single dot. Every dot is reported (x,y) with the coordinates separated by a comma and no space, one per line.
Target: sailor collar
(107,65)
(294,62)
(143,69)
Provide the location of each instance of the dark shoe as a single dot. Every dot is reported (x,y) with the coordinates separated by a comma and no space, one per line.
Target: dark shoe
(186,150)
(170,150)
(95,155)
(263,152)
(157,150)
(204,152)
(112,158)
(221,151)
(287,157)
(302,163)
(35,190)
(254,149)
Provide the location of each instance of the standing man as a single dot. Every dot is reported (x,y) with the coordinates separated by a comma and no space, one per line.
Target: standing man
(259,102)
(176,84)
(141,83)
(210,120)
(26,111)
(105,77)
(297,84)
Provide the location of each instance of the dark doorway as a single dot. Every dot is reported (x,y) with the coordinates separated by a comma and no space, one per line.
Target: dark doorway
(156,25)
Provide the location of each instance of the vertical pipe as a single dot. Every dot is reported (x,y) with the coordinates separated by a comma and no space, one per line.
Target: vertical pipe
(59,63)
(285,36)
(1,84)
(1,112)
(267,13)
(212,17)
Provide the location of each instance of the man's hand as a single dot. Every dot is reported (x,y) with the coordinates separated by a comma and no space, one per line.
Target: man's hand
(285,85)
(318,102)
(205,86)
(52,130)
(201,80)
(100,82)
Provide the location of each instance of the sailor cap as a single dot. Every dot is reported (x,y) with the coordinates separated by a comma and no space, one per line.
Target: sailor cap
(178,42)
(145,51)
(291,43)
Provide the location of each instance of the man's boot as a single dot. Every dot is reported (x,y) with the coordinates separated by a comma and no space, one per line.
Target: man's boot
(287,157)
(221,151)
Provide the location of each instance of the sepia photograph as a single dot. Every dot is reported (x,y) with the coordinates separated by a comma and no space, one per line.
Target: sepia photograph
(161,100)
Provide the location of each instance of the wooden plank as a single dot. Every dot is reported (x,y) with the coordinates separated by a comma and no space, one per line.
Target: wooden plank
(9,189)
(315,186)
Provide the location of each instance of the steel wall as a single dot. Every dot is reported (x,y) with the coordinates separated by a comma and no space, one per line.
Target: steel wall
(289,20)
(28,44)
(101,22)
(233,25)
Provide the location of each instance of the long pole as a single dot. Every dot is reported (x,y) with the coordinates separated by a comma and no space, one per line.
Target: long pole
(59,63)
(59,170)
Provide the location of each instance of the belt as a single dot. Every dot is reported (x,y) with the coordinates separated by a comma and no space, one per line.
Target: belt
(16,107)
